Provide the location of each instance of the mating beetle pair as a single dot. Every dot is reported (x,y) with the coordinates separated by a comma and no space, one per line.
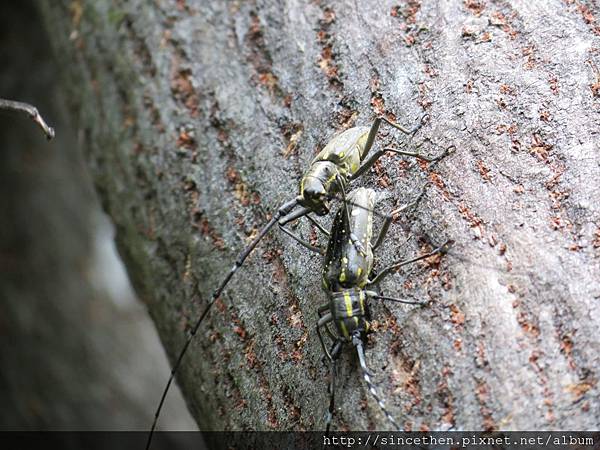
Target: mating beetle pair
(349,252)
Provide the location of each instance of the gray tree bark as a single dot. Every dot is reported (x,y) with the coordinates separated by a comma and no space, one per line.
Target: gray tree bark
(200,118)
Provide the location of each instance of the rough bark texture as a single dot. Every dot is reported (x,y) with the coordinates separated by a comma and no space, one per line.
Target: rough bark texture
(76,352)
(200,118)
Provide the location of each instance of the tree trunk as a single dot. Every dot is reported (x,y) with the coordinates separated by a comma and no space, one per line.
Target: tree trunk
(200,118)
(77,350)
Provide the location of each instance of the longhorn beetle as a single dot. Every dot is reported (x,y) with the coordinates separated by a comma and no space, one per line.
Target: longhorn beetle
(347,280)
(341,161)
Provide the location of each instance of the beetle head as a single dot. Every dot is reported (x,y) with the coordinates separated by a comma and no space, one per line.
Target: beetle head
(314,196)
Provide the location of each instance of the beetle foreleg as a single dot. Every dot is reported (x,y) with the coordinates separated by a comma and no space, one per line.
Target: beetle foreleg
(308,245)
(318,225)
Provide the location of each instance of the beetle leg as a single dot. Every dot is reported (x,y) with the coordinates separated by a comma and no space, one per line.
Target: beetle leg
(376,296)
(405,130)
(392,267)
(388,218)
(375,128)
(323,321)
(287,218)
(308,245)
(318,225)
(418,155)
(366,165)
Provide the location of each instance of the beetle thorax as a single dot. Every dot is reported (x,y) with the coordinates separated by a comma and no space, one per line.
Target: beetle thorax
(350,311)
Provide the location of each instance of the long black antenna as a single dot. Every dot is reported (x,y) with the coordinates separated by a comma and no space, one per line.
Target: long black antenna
(357,342)
(282,211)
